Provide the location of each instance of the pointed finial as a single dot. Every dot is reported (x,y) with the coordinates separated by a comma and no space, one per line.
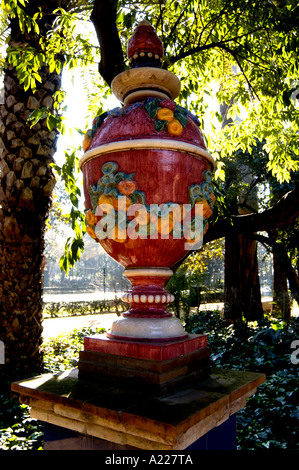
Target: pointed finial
(145,48)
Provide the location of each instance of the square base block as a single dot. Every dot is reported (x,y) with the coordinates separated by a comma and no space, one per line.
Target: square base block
(133,418)
(162,366)
(154,350)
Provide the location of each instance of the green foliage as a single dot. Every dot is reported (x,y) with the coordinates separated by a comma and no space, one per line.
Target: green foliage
(65,309)
(270,418)
(62,353)
(74,245)
(17,430)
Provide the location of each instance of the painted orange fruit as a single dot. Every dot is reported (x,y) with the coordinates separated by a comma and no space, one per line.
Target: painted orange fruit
(91,219)
(106,202)
(174,127)
(207,211)
(127,187)
(90,232)
(122,203)
(165,225)
(142,217)
(86,141)
(165,114)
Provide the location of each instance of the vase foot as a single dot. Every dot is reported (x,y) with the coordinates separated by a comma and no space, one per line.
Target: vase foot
(147,318)
(147,329)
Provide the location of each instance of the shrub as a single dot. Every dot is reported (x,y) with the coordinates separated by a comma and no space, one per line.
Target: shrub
(66,309)
(270,418)
(17,430)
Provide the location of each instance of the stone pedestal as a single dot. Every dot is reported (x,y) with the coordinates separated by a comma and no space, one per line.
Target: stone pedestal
(157,366)
(109,416)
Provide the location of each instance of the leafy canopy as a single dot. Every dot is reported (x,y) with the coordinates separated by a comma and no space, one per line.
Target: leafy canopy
(239,52)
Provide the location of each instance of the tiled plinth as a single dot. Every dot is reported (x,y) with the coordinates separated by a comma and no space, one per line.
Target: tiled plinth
(154,350)
(125,416)
(162,366)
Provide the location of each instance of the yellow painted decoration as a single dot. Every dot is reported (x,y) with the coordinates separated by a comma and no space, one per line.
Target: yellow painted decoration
(91,219)
(165,114)
(142,217)
(178,212)
(165,225)
(90,232)
(174,127)
(86,141)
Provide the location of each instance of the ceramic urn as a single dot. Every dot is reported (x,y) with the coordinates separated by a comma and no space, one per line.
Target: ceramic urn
(147,185)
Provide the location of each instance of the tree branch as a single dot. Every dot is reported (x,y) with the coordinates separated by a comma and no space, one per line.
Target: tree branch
(103,17)
(282,213)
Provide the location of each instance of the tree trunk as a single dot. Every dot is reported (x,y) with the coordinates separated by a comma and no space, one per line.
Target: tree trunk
(281,299)
(27,182)
(242,287)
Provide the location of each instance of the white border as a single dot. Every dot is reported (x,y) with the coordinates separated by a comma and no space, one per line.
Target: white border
(153,144)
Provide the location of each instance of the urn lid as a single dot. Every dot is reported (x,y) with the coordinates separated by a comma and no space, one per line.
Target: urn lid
(145,78)
(149,118)
(145,48)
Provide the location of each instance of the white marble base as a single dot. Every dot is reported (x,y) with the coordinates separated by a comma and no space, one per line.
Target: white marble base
(148,328)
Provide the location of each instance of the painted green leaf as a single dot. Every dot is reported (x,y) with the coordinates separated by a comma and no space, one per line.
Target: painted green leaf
(181,115)
(160,124)
(151,107)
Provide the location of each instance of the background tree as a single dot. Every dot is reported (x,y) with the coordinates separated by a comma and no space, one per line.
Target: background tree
(246,50)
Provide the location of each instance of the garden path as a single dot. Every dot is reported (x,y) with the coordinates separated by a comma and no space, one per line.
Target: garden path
(56,326)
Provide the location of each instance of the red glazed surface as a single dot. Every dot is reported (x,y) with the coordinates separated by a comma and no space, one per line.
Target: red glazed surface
(156,352)
(137,124)
(164,176)
(145,40)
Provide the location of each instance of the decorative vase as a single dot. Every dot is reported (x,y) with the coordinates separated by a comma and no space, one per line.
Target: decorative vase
(147,184)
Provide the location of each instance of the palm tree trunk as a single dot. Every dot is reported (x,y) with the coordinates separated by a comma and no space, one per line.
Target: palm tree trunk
(27,182)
